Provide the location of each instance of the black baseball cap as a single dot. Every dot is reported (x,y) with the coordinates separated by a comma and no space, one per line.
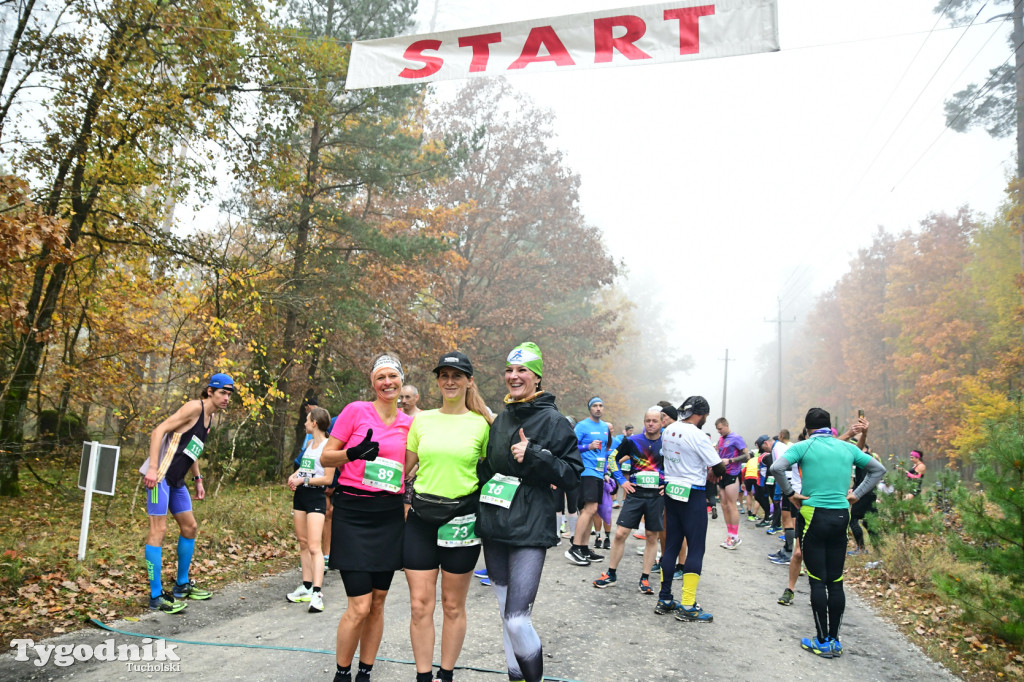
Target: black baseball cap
(695,404)
(762,439)
(670,412)
(455,360)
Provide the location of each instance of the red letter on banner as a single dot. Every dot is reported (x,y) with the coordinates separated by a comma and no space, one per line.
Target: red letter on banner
(689,27)
(604,42)
(414,53)
(543,36)
(481,49)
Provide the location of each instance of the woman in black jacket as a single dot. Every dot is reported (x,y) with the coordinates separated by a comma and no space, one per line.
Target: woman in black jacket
(531,448)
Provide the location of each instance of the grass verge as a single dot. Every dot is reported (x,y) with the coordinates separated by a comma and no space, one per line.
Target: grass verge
(244,532)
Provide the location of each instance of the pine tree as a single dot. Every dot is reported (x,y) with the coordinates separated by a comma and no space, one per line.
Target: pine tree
(993,533)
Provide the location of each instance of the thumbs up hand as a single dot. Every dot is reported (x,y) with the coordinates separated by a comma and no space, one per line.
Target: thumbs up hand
(367,450)
(519,449)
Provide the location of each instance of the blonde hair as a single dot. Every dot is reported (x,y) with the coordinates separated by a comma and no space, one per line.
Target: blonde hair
(476,403)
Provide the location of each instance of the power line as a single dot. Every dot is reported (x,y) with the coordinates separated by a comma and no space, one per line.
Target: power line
(888,36)
(978,53)
(982,90)
(913,59)
(903,119)
(796,284)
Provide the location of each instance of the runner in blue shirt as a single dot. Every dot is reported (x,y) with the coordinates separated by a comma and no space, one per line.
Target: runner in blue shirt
(593,437)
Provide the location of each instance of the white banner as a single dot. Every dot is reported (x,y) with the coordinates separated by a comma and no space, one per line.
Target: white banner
(649,34)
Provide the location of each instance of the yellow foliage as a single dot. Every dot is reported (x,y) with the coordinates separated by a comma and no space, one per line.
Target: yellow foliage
(981,404)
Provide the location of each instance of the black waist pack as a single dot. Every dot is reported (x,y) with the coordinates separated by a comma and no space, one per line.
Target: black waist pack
(437,510)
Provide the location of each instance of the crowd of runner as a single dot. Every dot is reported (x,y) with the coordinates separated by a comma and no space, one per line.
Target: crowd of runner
(424,491)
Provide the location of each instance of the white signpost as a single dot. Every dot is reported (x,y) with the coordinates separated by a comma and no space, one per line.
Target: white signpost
(97,473)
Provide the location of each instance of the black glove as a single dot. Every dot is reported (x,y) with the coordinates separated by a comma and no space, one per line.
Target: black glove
(367,450)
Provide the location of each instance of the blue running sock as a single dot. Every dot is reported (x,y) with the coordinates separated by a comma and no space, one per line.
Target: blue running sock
(185,548)
(153,562)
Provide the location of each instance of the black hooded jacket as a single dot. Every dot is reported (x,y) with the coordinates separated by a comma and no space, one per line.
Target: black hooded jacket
(551,459)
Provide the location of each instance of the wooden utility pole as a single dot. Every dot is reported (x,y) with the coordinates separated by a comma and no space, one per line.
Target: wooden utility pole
(725,382)
(778,399)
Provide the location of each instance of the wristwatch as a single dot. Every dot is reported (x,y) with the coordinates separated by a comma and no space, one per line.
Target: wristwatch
(197,478)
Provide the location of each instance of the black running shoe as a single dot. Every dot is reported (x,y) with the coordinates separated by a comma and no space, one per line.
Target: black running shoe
(665,607)
(578,555)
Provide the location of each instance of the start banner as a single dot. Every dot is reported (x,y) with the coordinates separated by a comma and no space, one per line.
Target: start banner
(648,34)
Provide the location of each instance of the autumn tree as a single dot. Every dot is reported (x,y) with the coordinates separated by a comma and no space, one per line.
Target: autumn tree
(125,81)
(997,105)
(921,334)
(938,327)
(988,395)
(529,265)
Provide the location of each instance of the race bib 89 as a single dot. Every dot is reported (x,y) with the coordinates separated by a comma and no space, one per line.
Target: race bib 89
(384,474)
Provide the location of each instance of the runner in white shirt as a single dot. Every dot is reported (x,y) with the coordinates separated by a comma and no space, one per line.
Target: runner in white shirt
(687,454)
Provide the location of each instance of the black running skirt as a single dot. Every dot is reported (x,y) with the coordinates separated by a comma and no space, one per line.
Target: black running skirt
(366,533)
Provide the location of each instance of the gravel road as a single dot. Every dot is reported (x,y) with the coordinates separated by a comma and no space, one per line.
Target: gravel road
(589,635)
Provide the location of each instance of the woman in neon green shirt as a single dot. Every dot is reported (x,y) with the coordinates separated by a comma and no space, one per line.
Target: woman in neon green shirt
(446,443)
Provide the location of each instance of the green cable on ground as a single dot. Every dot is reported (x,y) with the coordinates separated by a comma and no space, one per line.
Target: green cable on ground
(104,626)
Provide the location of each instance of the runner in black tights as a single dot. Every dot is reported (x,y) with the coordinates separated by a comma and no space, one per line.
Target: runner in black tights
(823,504)
(531,447)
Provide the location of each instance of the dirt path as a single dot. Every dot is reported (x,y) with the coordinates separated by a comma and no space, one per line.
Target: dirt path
(589,635)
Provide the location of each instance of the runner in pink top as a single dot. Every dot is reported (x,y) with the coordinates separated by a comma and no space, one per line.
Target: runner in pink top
(368,445)
(352,426)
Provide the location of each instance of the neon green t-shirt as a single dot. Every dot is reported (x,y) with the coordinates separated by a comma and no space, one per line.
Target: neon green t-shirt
(448,446)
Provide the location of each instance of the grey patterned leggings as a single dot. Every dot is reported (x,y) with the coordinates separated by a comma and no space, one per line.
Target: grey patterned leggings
(515,575)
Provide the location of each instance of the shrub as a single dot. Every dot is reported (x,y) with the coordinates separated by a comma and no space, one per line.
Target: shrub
(903,523)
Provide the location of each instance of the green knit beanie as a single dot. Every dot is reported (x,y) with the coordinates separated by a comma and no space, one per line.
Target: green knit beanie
(528,355)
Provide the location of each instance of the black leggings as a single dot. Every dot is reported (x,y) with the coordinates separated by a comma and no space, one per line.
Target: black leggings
(514,573)
(764,498)
(861,509)
(824,549)
(358,583)
(421,553)
(684,521)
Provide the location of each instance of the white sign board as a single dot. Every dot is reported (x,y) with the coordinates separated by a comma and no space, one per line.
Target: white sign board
(106,468)
(97,473)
